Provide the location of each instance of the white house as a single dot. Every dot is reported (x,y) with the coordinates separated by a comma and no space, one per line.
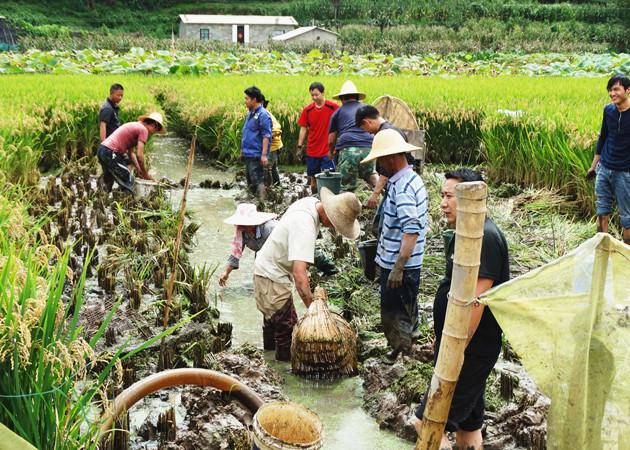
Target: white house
(236,29)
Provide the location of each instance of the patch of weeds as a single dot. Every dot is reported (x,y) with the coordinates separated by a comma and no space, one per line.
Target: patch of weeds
(506,190)
(410,388)
(493,400)
(247,349)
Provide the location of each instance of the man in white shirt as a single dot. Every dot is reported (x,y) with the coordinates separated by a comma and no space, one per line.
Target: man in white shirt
(287,254)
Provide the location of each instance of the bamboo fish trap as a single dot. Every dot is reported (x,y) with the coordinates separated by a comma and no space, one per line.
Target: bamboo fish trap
(324,345)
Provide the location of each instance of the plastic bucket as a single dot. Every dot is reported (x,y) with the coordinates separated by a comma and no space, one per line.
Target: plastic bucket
(142,188)
(286,426)
(331,180)
(367,253)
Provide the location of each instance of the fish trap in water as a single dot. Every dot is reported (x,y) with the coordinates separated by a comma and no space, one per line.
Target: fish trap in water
(324,345)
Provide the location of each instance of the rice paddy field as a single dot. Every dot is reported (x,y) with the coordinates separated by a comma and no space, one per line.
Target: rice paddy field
(537,131)
(527,132)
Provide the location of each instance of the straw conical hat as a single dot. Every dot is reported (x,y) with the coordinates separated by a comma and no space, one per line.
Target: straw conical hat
(388,142)
(348,88)
(342,210)
(156,117)
(246,215)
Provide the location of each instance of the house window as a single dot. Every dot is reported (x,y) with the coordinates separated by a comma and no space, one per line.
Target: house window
(204,34)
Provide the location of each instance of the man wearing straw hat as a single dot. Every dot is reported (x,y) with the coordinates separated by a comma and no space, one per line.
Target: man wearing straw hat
(285,257)
(348,142)
(117,150)
(401,243)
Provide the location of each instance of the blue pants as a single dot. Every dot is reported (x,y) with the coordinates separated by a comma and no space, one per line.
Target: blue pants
(399,309)
(610,186)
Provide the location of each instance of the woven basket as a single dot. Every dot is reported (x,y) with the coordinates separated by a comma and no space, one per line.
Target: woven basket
(324,345)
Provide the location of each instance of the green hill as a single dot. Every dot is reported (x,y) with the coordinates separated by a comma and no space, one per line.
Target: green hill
(588,25)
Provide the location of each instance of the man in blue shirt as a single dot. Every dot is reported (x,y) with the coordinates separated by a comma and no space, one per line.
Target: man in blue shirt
(348,142)
(256,141)
(401,243)
(611,163)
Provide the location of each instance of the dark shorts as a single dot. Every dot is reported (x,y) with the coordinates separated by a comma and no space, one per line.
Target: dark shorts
(115,167)
(315,165)
(254,171)
(468,407)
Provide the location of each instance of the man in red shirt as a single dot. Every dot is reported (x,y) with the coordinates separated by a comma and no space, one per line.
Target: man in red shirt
(117,151)
(315,119)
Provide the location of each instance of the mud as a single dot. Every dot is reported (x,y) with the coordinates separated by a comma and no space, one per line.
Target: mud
(211,419)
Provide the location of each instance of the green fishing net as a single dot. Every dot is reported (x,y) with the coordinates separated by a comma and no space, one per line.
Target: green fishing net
(569,322)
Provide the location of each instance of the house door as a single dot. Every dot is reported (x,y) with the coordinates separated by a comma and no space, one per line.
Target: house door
(240,34)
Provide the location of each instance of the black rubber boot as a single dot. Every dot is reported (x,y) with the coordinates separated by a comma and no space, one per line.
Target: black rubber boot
(269,339)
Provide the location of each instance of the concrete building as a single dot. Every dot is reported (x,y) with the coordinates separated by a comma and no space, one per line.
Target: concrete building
(308,35)
(235,29)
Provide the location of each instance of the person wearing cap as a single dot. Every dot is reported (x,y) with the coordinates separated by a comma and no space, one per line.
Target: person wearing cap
(349,143)
(117,151)
(285,257)
(314,121)
(257,132)
(401,244)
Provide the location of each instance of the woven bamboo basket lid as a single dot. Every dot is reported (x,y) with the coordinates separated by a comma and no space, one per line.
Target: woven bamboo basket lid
(324,344)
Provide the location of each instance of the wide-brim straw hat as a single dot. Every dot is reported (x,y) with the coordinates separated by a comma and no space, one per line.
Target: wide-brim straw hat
(348,88)
(388,142)
(342,210)
(247,215)
(156,117)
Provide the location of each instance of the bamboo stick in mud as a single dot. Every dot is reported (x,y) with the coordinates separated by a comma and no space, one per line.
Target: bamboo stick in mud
(471,215)
(178,239)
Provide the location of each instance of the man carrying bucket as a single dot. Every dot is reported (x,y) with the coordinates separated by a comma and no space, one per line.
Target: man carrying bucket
(116,151)
(401,243)
(285,257)
(348,142)
(465,417)
(314,120)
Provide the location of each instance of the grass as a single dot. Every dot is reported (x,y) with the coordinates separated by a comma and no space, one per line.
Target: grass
(549,145)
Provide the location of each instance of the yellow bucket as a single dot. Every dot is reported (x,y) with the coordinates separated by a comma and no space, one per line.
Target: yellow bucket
(286,426)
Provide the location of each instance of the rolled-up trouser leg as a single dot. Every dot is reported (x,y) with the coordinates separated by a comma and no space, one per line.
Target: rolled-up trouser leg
(275,301)
(283,323)
(399,309)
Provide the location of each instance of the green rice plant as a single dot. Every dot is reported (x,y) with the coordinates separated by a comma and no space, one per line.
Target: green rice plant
(531,151)
(52,383)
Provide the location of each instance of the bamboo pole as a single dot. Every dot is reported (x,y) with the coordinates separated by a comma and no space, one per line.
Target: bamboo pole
(178,239)
(471,215)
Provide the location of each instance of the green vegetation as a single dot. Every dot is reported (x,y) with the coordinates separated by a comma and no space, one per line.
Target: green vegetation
(548,143)
(400,26)
(315,62)
(53,382)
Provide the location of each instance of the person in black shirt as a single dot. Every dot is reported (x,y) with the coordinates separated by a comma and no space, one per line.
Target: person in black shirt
(484,333)
(108,114)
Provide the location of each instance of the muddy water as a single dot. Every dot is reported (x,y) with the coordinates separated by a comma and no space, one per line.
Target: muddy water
(338,403)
